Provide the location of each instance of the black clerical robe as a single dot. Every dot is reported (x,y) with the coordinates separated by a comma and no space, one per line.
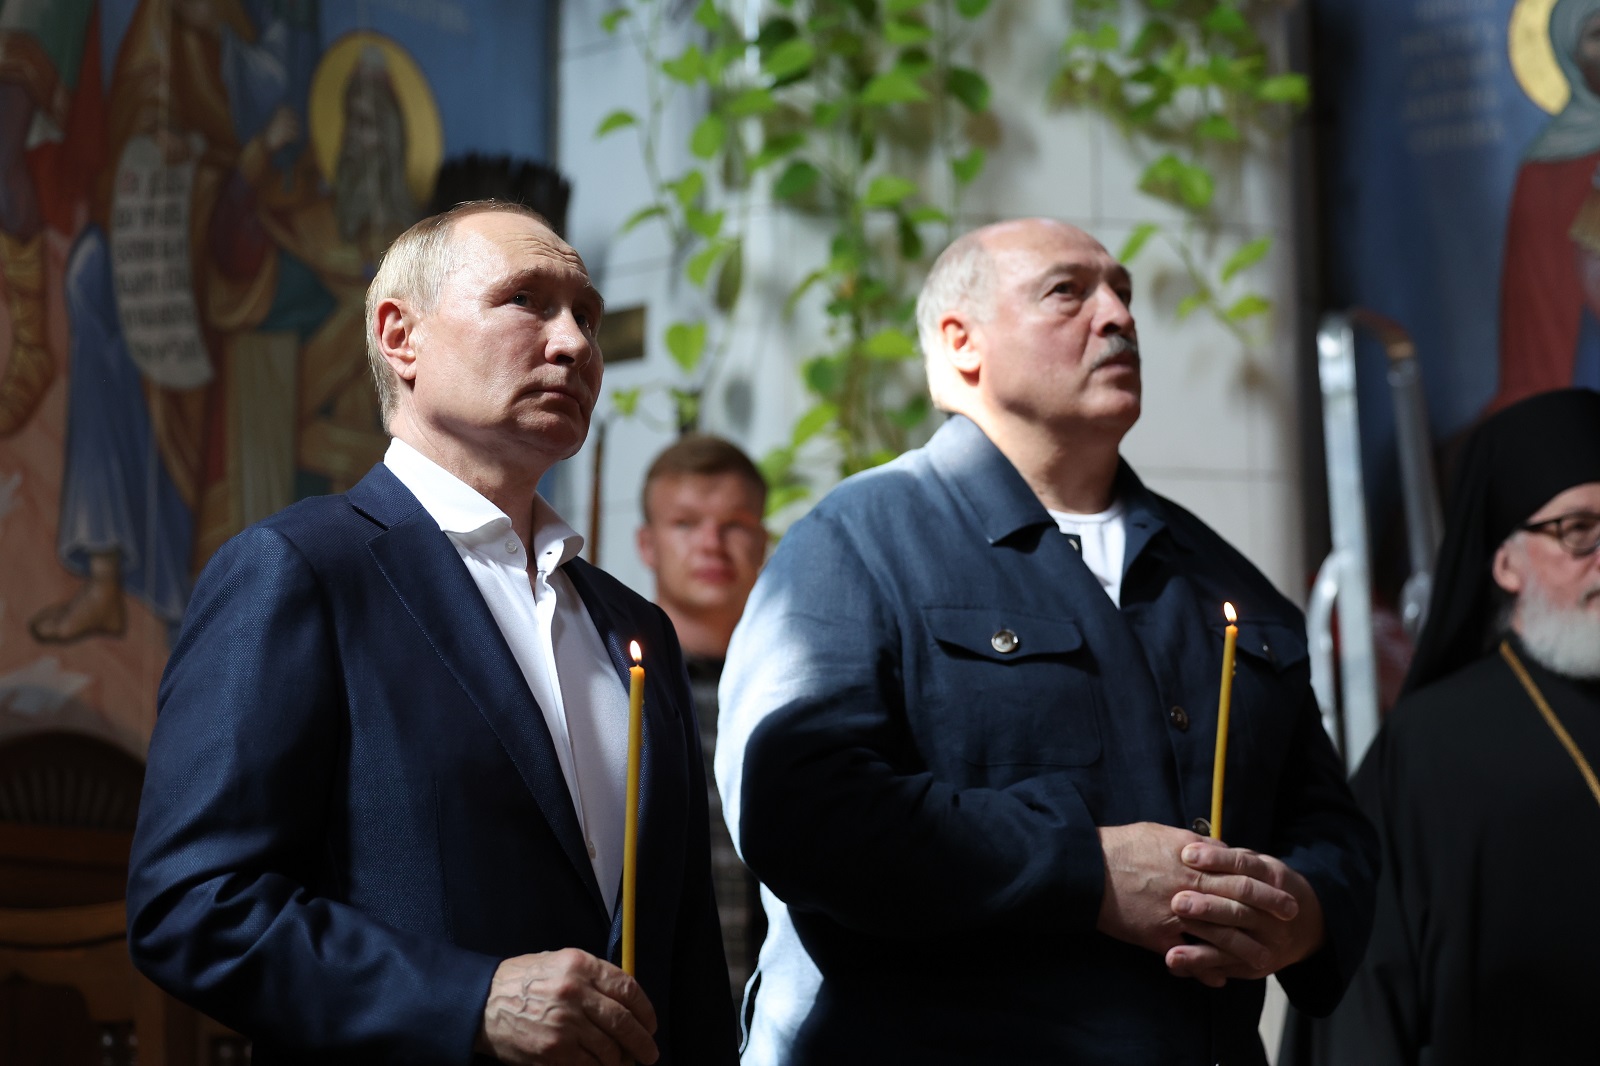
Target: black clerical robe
(1485,944)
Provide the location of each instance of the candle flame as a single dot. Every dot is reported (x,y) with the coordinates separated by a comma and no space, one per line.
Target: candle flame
(633,649)
(1227,610)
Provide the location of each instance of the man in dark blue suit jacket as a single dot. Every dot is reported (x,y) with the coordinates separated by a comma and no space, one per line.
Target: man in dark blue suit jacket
(969,716)
(362,837)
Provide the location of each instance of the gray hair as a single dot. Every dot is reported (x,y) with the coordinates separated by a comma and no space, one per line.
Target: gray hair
(413,270)
(962,278)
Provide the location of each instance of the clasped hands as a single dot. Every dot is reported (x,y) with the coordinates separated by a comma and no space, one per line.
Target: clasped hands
(1213,911)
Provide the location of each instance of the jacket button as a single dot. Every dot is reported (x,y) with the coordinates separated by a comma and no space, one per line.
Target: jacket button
(1005,642)
(1201,826)
(1179,719)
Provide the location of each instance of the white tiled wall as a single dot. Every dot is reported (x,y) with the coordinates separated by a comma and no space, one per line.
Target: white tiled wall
(1217,433)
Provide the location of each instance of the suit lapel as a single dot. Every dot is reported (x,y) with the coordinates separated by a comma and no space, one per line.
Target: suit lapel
(422,566)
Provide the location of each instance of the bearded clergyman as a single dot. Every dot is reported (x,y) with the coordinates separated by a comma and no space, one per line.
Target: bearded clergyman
(1482,781)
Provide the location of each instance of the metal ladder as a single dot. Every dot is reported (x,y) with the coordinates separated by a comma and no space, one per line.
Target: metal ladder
(1347,691)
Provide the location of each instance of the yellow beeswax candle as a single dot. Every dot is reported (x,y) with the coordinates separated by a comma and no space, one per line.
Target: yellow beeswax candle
(630,825)
(1224,701)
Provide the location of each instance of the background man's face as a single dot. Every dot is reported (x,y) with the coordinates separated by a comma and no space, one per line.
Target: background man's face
(704,541)
(507,361)
(1058,342)
(1540,567)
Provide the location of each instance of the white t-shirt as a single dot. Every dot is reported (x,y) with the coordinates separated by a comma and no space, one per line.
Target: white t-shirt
(1103,540)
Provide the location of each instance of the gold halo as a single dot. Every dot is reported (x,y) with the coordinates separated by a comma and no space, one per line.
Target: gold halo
(1533,58)
(424,134)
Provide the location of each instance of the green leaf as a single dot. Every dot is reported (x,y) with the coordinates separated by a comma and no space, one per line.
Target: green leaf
(1191,303)
(1291,89)
(878,457)
(1247,307)
(776,30)
(889,343)
(895,86)
(797,178)
(822,374)
(698,268)
(641,215)
(826,112)
(1196,187)
(687,189)
(612,19)
(686,405)
(1226,20)
(1246,257)
(750,102)
(688,67)
(901,7)
(905,34)
(792,57)
(730,279)
(913,414)
(966,168)
(969,87)
(1156,35)
(616,121)
(706,14)
(886,190)
(1105,38)
(626,401)
(1136,240)
(910,240)
(686,343)
(777,467)
(927,213)
(722,57)
(785,496)
(1179,182)
(915,61)
(971,9)
(776,148)
(706,223)
(813,422)
(1217,128)
(706,141)
(800,290)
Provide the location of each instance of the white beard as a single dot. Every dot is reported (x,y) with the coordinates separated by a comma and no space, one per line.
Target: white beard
(1564,640)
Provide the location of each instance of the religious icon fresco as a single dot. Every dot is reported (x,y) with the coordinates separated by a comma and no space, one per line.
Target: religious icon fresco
(1550,285)
(193,197)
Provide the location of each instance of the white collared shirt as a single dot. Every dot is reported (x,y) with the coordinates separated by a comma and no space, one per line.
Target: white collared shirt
(555,642)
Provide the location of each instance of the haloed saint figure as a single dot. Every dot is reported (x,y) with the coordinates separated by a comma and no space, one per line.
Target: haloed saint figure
(1550,284)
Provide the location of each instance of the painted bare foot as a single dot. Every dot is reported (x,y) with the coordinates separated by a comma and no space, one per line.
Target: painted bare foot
(96,609)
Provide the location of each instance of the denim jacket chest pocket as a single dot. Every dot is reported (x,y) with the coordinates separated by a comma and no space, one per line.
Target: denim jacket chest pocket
(1268,680)
(1011,689)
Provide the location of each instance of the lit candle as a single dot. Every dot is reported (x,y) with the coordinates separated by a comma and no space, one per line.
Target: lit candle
(1224,700)
(630,825)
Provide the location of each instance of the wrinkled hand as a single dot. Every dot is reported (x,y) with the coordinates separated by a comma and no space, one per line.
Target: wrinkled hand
(566,1007)
(1241,938)
(1145,874)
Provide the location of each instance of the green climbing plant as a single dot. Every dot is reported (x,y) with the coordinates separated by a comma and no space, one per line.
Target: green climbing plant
(1192,80)
(852,113)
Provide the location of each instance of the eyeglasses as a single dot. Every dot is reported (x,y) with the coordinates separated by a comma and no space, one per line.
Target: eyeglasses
(1578,532)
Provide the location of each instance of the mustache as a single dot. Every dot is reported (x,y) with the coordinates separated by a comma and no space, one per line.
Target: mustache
(1117,346)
